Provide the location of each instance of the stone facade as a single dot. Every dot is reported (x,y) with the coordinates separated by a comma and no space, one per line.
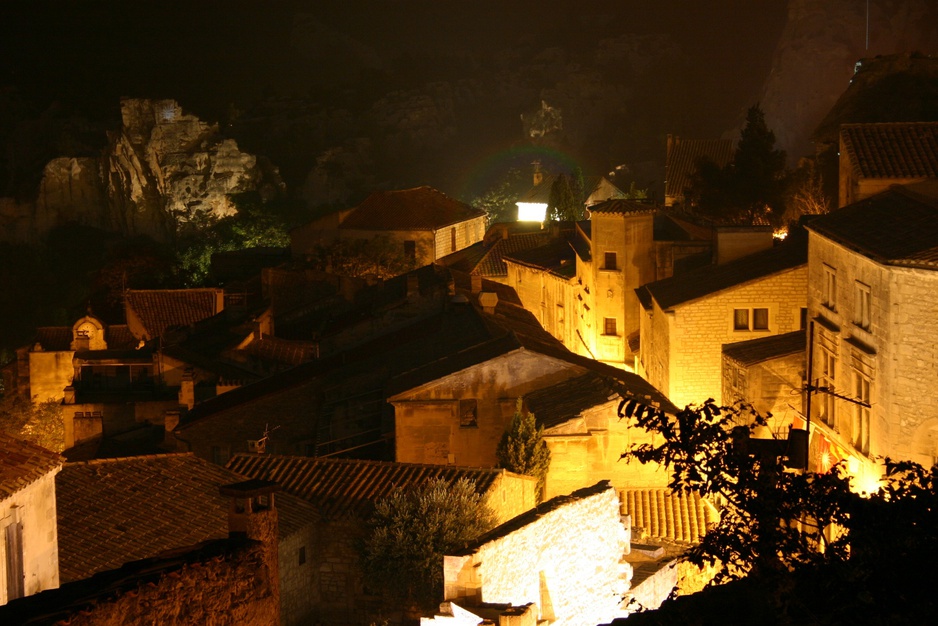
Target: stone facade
(29,514)
(681,347)
(565,557)
(887,354)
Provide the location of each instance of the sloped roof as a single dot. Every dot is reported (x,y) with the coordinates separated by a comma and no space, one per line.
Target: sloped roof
(766,348)
(556,257)
(23,463)
(895,227)
(664,514)
(622,207)
(338,487)
(420,208)
(493,262)
(681,160)
(540,193)
(117,510)
(563,401)
(159,309)
(59,338)
(892,150)
(704,281)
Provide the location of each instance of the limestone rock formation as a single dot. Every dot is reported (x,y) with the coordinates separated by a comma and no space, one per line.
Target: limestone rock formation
(818,51)
(162,170)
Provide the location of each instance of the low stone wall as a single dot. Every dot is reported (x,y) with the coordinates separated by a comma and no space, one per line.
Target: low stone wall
(565,556)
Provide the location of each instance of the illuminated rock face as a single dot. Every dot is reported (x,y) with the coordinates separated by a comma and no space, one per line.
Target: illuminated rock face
(163,169)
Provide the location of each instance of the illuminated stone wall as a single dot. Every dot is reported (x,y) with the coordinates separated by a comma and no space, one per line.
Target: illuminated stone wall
(565,558)
(773,386)
(33,507)
(49,374)
(588,448)
(552,300)
(467,233)
(430,429)
(896,353)
(682,348)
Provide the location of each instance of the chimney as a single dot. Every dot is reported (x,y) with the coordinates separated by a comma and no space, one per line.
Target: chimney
(187,389)
(252,515)
(488,300)
(476,283)
(170,422)
(538,174)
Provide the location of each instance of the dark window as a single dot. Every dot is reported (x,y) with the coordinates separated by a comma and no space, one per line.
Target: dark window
(760,319)
(468,414)
(740,319)
(410,250)
(303,555)
(452,235)
(14,561)
(609,326)
(610,263)
(804,318)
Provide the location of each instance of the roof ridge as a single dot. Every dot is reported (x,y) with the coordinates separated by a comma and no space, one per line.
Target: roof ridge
(375,462)
(139,457)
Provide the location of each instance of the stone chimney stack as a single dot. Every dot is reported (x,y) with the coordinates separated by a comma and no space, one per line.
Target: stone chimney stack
(538,174)
(488,300)
(187,389)
(476,283)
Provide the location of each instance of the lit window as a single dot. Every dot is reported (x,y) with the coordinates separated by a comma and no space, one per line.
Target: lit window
(863,302)
(860,430)
(609,326)
(468,413)
(610,261)
(751,319)
(830,288)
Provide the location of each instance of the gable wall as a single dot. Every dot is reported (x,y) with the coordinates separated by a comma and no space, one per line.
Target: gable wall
(33,507)
(468,232)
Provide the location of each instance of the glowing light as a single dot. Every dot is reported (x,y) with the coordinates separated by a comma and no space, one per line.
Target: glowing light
(531,211)
(780,234)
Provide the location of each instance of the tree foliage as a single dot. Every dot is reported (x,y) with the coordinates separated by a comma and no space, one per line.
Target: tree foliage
(42,424)
(379,257)
(522,449)
(499,201)
(562,205)
(750,187)
(411,531)
(778,524)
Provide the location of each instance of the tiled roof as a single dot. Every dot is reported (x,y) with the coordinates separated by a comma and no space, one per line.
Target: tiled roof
(892,150)
(118,510)
(895,227)
(339,487)
(23,463)
(563,401)
(421,208)
(556,257)
(681,160)
(704,281)
(54,338)
(765,348)
(663,514)
(539,194)
(159,309)
(623,207)
(671,228)
(283,351)
(493,263)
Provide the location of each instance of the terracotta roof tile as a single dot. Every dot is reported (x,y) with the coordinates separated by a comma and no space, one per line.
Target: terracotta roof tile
(623,207)
(704,281)
(556,257)
(421,208)
(117,510)
(159,309)
(765,348)
(895,227)
(892,150)
(681,160)
(339,487)
(23,463)
(663,514)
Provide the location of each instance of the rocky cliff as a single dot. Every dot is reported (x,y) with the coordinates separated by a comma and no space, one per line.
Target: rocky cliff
(818,52)
(162,170)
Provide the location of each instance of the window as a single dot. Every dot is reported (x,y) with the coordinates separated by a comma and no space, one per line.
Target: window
(410,250)
(751,319)
(468,414)
(610,261)
(302,555)
(827,378)
(609,326)
(863,302)
(860,428)
(829,297)
(452,242)
(803,320)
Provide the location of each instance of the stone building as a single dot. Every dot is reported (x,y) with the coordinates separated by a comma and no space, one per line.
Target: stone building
(139,503)
(872,298)
(688,318)
(344,493)
(29,548)
(565,557)
(426,223)
(234,578)
(874,157)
